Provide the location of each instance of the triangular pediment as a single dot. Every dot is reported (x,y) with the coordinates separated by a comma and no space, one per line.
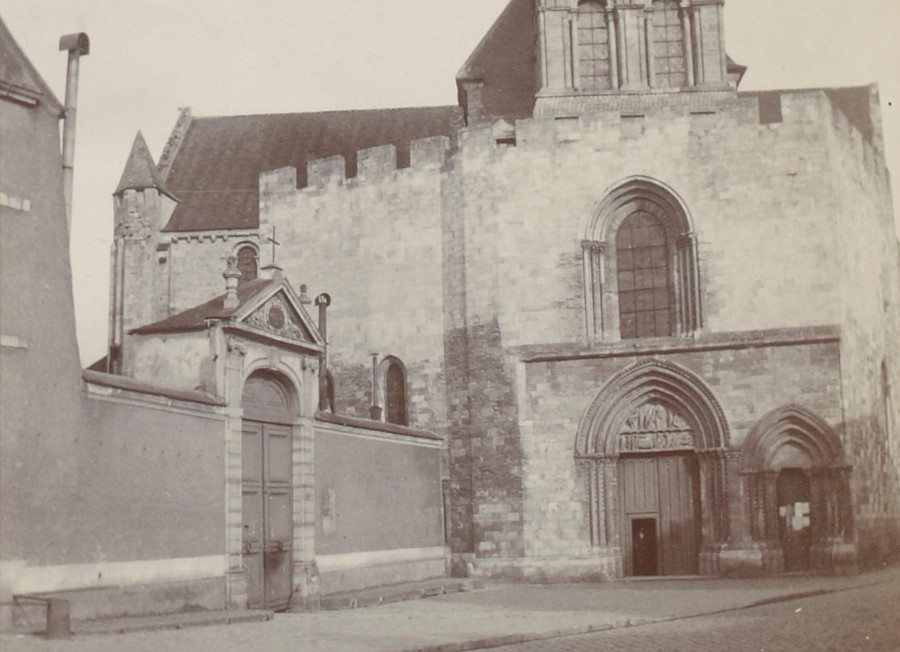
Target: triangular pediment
(280,314)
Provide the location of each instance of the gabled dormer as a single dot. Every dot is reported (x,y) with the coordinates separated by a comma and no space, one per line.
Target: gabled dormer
(196,348)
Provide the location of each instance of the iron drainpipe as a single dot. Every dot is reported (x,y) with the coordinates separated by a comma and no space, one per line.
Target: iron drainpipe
(77,45)
(323,301)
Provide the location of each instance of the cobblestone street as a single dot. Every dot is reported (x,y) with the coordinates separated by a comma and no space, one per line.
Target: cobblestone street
(840,614)
(865,619)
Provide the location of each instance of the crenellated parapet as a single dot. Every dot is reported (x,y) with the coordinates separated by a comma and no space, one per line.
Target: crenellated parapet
(374,165)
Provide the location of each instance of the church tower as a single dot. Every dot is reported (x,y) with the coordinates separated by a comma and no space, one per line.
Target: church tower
(618,54)
(139,273)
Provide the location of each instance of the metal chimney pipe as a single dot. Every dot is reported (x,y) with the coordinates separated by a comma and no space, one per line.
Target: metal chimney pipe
(77,45)
(323,301)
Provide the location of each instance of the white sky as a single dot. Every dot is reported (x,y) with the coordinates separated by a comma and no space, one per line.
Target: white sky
(228,57)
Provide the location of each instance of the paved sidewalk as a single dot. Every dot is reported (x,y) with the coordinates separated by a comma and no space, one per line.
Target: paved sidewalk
(500,613)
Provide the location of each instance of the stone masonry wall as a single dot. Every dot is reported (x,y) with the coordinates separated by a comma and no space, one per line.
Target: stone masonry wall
(373,243)
(754,193)
(747,382)
(870,293)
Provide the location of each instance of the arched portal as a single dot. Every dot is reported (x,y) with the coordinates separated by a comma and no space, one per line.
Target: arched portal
(266,489)
(650,447)
(798,489)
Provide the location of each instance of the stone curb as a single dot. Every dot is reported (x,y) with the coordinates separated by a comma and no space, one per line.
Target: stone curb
(512,639)
(101,628)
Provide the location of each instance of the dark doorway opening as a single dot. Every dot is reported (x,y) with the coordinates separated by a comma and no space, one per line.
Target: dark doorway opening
(643,546)
(794,526)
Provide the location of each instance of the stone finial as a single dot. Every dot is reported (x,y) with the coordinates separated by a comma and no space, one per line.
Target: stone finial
(231,276)
(304,297)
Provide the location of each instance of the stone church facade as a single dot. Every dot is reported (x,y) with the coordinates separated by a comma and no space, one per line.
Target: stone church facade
(655,318)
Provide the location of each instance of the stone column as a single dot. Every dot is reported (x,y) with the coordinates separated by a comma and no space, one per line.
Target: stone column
(612,35)
(738,530)
(592,257)
(649,39)
(687,37)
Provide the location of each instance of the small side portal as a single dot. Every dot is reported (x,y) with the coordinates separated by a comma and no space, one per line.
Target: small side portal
(794,518)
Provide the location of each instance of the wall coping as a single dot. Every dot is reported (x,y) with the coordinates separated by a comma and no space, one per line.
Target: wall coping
(378,426)
(141,387)
(736,340)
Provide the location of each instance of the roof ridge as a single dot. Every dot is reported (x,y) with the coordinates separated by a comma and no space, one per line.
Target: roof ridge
(326,112)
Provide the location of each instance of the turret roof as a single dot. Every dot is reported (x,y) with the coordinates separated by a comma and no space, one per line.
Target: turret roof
(140,171)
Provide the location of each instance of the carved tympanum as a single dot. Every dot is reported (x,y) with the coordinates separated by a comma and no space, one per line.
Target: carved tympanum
(654,427)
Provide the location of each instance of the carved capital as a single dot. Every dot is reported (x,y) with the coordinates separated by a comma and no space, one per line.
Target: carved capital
(687,239)
(593,246)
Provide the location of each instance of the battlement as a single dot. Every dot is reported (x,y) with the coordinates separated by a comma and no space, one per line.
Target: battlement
(372,164)
(852,113)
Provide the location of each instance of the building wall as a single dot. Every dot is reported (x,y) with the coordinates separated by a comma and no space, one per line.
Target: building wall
(747,382)
(869,285)
(512,220)
(373,243)
(96,490)
(379,508)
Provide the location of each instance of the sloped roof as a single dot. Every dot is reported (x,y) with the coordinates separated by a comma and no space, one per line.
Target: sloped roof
(505,61)
(195,318)
(140,170)
(19,78)
(215,174)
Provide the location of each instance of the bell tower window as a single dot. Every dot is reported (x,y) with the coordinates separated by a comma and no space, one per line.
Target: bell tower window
(668,45)
(593,48)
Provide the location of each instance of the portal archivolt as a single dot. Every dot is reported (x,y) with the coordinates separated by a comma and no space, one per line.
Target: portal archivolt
(651,451)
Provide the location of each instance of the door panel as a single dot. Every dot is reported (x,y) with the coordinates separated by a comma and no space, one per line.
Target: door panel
(664,490)
(794,518)
(267,513)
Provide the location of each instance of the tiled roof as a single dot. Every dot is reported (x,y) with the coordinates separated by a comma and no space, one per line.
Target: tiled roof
(195,318)
(18,77)
(215,174)
(505,60)
(140,170)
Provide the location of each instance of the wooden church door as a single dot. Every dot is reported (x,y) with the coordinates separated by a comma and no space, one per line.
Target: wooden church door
(266,495)
(659,506)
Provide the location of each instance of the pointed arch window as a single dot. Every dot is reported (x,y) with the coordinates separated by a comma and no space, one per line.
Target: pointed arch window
(641,276)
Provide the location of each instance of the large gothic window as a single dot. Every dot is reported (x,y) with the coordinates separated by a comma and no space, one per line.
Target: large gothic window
(593,48)
(644,277)
(246,262)
(639,257)
(395,395)
(668,45)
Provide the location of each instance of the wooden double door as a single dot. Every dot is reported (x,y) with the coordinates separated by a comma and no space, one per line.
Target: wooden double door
(267,514)
(659,508)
